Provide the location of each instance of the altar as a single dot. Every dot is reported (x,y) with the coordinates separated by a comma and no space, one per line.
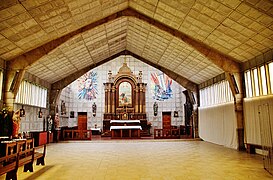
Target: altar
(125,131)
(125,128)
(125,108)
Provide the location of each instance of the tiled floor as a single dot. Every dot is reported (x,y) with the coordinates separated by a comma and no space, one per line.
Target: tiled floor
(146,160)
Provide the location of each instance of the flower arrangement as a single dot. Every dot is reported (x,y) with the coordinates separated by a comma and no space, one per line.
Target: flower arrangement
(149,124)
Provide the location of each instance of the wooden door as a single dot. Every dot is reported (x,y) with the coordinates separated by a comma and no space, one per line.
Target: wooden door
(82,120)
(166,120)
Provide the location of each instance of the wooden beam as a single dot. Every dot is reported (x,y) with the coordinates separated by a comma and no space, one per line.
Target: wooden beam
(25,60)
(226,63)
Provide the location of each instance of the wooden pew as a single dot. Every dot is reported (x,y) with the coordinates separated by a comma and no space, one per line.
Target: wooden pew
(21,153)
(8,163)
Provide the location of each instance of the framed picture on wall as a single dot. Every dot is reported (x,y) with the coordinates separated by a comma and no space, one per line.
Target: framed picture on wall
(175,114)
(72,114)
(22,112)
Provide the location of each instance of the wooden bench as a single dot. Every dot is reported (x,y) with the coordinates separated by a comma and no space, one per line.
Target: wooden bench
(21,153)
(8,163)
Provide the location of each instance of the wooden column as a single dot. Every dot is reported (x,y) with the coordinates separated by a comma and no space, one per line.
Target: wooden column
(236,85)
(109,98)
(140,98)
(144,100)
(106,102)
(137,99)
(13,79)
(113,99)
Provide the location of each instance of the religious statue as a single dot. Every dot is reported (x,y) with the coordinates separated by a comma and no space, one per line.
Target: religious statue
(63,109)
(110,76)
(56,121)
(155,108)
(16,120)
(140,76)
(49,123)
(94,109)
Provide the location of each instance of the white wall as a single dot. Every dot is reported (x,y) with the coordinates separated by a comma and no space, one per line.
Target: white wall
(31,121)
(252,121)
(217,124)
(70,93)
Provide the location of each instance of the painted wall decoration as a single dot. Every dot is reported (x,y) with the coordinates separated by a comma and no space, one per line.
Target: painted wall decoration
(125,94)
(87,86)
(161,86)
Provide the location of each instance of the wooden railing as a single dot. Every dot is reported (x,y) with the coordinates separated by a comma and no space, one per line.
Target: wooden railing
(77,134)
(166,134)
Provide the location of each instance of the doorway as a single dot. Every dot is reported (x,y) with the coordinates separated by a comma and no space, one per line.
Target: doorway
(166,120)
(82,120)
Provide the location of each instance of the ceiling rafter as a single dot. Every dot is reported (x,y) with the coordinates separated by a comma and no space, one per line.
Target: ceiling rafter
(223,61)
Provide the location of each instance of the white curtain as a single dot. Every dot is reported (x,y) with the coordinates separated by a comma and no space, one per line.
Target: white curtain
(217,124)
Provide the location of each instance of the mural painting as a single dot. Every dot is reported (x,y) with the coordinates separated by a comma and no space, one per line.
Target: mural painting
(87,86)
(161,86)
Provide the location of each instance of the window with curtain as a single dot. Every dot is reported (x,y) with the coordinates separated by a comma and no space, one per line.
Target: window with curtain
(248,84)
(258,80)
(263,80)
(270,69)
(31,94)
(218,93)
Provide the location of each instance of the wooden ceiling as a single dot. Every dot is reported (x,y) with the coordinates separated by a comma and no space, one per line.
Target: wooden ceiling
(237,30)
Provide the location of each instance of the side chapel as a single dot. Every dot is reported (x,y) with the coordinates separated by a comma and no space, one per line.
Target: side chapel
(124,100)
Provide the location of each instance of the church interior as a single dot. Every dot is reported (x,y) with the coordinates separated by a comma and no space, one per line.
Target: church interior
(136,89)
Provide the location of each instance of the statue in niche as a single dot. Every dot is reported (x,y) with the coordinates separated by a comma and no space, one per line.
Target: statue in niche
(94,109)
(155,108)
(63,109)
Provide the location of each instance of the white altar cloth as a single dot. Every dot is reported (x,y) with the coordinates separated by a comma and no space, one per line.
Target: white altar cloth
(125,121)
(125,127)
